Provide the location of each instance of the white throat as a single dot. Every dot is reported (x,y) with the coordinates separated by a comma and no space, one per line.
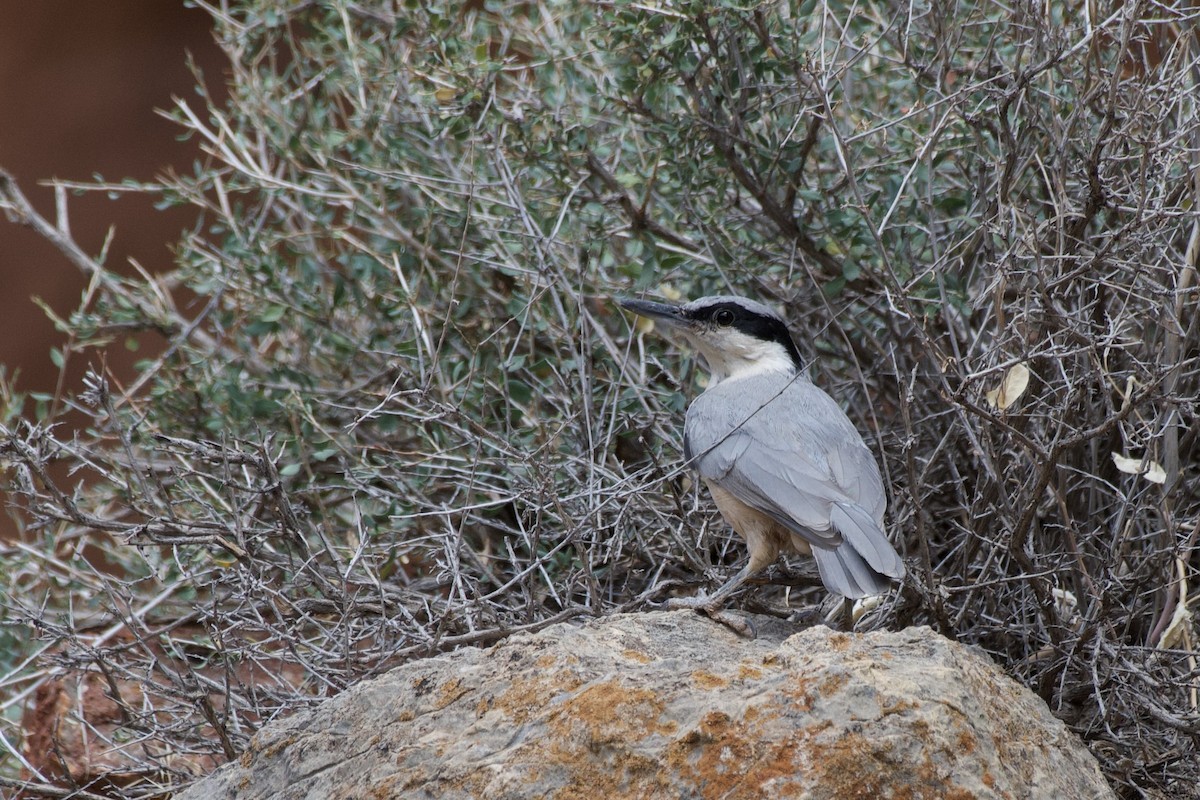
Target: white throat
(741,356)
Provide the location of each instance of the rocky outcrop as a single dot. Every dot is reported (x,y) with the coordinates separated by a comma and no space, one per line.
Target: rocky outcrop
(669,704)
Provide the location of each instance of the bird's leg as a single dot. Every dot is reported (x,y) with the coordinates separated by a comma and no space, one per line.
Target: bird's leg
(756,529)
(836,613)
(711,605)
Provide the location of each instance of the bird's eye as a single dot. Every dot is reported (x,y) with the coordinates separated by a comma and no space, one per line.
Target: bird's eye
(723,317)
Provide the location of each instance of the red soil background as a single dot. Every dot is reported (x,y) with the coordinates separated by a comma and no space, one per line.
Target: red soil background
(79,85)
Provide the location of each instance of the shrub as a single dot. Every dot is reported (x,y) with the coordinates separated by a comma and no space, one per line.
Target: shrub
(394,411)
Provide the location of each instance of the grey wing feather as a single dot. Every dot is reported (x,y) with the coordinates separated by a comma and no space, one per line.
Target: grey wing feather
(790,492)
(854,470)
(803,464)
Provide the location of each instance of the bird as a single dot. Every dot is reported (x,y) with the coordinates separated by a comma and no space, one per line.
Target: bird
(785,466)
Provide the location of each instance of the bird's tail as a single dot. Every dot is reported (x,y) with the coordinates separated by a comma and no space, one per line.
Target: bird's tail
(844,572)
(865,562)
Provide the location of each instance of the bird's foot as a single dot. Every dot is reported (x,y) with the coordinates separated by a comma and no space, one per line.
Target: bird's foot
(807,617)
(839,613)
(735,622)
(740,625)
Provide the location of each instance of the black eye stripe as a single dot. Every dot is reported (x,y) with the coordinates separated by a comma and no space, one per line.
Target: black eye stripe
(760,326)
(736,316)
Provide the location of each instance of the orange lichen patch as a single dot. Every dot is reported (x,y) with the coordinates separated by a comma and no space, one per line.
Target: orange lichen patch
(760,715)
(857,767)
(800,694)
(598,740)
(774,661)
(920,728)
(840,642)
(833,684)
(955,793)
(450,691)
(727,758)
(278,746)
(747,672)
(422,685)
(611,711)
(707,680)
(421,781)
(556,660)
(527,695)
(637,655)
(897,707)
(623,774)
(965,741)
(852,767)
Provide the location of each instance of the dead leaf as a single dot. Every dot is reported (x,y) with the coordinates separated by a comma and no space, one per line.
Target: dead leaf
(1067,605)
(670,292)
(865,605)
(1015,382)
(1150,470)
(1179,630)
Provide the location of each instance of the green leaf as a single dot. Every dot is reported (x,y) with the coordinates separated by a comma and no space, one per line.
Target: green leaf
(273,313)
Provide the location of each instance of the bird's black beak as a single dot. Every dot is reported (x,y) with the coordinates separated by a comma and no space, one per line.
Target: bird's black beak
(669,316)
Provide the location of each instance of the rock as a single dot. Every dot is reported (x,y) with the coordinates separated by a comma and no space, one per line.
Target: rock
(670,704)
